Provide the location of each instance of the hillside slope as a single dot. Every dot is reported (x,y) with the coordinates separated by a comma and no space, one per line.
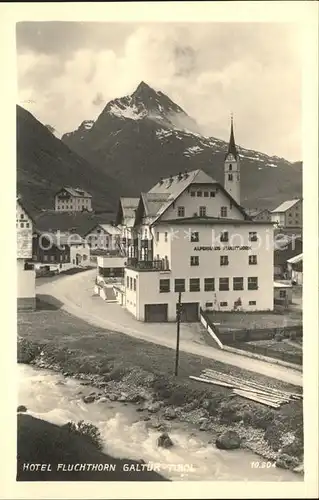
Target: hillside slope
(45,164)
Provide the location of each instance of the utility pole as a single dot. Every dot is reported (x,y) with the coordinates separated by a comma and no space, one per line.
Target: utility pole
(178,323)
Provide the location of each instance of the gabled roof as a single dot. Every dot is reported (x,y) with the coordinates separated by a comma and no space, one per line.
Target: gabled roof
(174,186)
(24,208)
(61,238)
(108,228)
(286,205)
(253,212)
(295,259)
(126,211)
(76,192)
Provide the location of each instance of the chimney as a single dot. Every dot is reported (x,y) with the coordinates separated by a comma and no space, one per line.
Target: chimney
(180,176)
(161,181)
(185,175)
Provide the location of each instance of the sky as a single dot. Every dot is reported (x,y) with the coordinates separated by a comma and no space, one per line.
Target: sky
(68,71)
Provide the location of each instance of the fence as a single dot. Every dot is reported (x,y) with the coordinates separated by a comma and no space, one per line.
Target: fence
(289,357)
(245,335)
(211,332)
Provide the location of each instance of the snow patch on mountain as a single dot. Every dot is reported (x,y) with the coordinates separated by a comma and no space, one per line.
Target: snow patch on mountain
(130,112)
(272,165)
(194,150)
(88,124)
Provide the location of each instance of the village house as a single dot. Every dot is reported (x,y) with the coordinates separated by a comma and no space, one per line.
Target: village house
(70,199)
(191,235)
(262,214)
(26,296)
(286,247)
(288,214)
(295,269)
(104,237)
(125,220)
(60,251)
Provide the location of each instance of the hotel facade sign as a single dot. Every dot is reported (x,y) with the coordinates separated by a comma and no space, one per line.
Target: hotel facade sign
(207,248)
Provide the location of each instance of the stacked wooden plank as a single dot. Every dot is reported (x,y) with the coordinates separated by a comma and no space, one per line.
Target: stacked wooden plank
(248,389)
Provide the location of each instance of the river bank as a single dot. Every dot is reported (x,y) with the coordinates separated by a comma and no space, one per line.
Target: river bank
(160,399)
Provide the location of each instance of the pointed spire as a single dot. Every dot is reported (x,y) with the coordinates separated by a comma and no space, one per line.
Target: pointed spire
(231,145)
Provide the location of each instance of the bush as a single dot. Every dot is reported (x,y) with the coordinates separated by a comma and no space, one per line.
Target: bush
(27,351)
(273,435)
(89,431)
(294,449)
(229,413)
(118,373)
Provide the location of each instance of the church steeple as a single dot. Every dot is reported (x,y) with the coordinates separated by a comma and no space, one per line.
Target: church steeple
(232,145)
(232,167)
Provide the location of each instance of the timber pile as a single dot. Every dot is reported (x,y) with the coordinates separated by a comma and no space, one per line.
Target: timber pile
(248,389)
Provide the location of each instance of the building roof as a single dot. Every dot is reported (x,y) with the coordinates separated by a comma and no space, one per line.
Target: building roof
(174,186)
(253,212)
(216,220)
(75,192)
(126,211)
(79,222)
(58,239)
(232,145)
(295,259)
(25,208)
(278,284)
(286,205)
(108,228)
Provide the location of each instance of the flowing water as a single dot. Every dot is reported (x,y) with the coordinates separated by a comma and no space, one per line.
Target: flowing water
(57,399)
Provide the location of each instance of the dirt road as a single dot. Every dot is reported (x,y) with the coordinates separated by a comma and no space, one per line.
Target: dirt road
(76,294)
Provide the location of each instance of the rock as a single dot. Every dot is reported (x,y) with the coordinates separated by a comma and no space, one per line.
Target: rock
(154,407)
(140,409)
(228,440)
(103,399)
(146,418)
(299,469)
(164,441)
(89,399)
(285,461)
(205,426)
(170,414)
(112,397)
(22,408)
(123,397)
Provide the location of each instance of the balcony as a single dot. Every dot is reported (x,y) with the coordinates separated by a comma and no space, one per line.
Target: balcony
(148,265)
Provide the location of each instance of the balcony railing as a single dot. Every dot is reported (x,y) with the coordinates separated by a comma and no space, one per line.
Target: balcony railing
(148,265)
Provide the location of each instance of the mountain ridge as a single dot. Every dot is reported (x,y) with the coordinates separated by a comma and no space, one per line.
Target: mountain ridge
(145,135)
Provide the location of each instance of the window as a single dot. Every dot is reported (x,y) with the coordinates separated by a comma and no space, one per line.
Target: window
(164,286)
(253,283)
(223,211)
(202,211)
(45,258)
(179,285)
(22,216)
(282,294)
(157,236)
(194,260)
(209,284)
(27,224)
(165,237)
(238,283)
(212,194)
(224,260)
(134,284)
(194,285)
(61,258)
(252,260)
(224,284)
(181,211)
(199,193)
(209,304)
(224,236)
(194,236)
(22,224)
(223,304)
(65,257)
(230,177)
(131,283)
(127,282)
(206,194)
(252,302)
(230,167)
(253,236)
(193,193)
(52,258)
(73,261)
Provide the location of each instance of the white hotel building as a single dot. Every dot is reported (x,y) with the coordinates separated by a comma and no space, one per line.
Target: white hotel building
(191,235)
